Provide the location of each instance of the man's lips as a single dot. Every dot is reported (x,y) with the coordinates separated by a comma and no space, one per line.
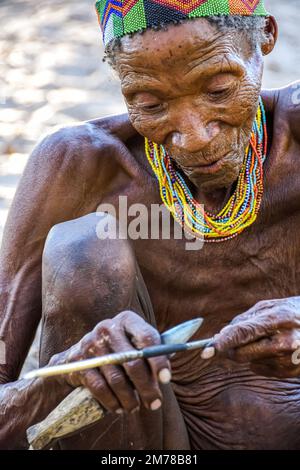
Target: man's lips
(209,168)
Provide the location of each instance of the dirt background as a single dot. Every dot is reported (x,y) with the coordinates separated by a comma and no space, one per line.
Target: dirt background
(51,73)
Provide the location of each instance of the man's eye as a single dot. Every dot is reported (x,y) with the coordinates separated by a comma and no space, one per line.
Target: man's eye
(152,107)
(220,92)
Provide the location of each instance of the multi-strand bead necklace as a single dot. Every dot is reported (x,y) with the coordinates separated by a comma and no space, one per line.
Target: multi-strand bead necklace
(243,206)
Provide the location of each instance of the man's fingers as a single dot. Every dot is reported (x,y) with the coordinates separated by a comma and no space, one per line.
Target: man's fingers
(283,308)
(240,334)
(275,346)
(143,335)
(121,386)
(146,385)
(138,371)
(108,384)
(107,340)
(97,385)
(128,384)
(134,376)
(258,327)
(258,308)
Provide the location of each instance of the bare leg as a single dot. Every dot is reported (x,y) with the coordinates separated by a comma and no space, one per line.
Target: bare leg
(86,280)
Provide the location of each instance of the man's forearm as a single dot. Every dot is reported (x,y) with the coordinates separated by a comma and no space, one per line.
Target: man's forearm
(24,403)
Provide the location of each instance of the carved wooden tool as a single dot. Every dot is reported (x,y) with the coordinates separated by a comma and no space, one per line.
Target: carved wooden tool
(79,409)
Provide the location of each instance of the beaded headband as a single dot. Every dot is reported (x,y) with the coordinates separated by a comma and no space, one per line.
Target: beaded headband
(120,17)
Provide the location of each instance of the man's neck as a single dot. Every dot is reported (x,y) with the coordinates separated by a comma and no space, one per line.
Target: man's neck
(215,200)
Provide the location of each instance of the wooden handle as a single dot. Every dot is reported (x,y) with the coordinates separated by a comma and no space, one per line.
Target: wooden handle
(77,410)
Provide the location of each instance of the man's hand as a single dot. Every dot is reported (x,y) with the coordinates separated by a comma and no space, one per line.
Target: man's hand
(119,388)
(267,336)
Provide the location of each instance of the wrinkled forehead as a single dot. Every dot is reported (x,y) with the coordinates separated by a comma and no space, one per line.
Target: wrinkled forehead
(181,47)
(187,35)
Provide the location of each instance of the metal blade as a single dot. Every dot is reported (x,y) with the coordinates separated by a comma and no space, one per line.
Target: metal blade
(181,333)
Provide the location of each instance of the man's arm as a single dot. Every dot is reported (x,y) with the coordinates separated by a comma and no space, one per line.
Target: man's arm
(54,188)
(24,403)
(57,185)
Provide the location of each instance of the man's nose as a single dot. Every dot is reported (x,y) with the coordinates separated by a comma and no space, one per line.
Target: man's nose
(193,134)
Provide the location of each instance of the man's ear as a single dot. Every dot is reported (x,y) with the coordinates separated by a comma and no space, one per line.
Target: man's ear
(270,36)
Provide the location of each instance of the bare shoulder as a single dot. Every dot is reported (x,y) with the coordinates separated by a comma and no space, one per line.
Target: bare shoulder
(70,169)
(285,104)
(84,146)
(292,98)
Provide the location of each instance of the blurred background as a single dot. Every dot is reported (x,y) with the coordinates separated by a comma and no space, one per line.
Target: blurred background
(51,73)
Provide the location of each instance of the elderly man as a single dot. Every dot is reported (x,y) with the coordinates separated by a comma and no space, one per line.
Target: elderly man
(199,133)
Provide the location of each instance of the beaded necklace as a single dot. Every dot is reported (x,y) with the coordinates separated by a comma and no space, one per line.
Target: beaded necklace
(243,206)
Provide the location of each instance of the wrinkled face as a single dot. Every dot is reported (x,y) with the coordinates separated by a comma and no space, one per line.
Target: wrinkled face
(194,90)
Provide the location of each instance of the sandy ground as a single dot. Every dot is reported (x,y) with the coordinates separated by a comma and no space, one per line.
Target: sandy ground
(51,74)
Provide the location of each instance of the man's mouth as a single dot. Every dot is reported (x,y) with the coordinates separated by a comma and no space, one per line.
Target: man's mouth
(208,168)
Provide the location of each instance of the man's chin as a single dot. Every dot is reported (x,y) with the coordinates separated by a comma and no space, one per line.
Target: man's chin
(209,183)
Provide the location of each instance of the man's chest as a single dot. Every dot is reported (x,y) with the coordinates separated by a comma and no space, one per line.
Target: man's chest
(218,280)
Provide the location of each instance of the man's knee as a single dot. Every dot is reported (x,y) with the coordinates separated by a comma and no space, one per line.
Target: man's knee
(84,269)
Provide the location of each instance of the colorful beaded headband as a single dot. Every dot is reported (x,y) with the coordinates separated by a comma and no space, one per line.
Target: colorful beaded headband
(120,17)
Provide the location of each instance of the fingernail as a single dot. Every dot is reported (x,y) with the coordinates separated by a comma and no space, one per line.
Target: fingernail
(164,376)
(155,404)
(120,411)
(207,353)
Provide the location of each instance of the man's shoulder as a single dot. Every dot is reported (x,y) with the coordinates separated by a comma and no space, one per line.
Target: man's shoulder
(292,94)
(84,144)
(285,103)
(92,135)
